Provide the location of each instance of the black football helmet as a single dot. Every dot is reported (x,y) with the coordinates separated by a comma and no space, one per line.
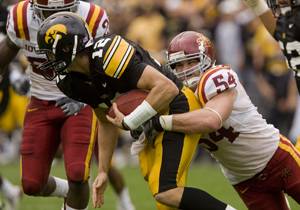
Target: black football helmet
(61,37)
(276,5)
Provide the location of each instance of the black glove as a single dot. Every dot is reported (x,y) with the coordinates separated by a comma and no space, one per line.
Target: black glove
(151,129)
(69,106)
(135,134)
(22,85)
(20,82)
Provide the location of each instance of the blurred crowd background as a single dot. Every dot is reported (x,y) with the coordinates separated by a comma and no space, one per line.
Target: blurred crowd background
(240,40)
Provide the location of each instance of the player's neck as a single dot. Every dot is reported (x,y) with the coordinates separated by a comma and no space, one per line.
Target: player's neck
(81,64)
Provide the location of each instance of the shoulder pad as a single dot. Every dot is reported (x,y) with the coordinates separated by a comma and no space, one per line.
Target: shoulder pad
(116,54)
(96,18)
(215,81)
(17,22)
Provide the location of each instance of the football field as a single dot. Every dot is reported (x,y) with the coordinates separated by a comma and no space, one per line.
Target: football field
(206,176)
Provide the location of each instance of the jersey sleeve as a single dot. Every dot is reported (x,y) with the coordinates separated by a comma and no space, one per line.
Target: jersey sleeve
(96,18)
(216,81)
(16,26)
(119,57)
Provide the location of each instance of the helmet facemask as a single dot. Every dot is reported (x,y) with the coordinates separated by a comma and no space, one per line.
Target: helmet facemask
(44,9)
(279,7)
(61,42)
(190,76)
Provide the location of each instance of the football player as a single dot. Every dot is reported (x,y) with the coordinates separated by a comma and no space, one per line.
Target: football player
(94,71)
(282,19)
(260,163)
(51,117)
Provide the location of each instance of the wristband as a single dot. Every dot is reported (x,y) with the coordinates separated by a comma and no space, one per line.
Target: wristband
(140,115)
(125,126)
(156,123)
(258,6)
(166,122)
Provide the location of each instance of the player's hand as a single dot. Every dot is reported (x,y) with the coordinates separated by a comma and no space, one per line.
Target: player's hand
(69,106)
(22,85)
(119,116)
(99,187)
(152,128)
(20,82)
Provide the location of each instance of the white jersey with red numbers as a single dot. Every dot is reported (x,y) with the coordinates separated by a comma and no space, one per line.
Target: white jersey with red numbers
(245,143)
(22,27)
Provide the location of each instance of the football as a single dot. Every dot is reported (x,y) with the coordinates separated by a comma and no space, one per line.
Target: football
(128,101)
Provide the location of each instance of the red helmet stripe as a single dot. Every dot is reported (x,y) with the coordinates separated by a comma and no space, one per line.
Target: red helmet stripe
(20,20)
(95,28)
(68,1)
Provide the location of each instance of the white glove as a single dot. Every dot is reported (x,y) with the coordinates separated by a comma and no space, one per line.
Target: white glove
(139,145)
(69,106)
(258,6)
(19,81)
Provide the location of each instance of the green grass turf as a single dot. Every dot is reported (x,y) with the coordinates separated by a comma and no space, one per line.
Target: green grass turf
(205,176)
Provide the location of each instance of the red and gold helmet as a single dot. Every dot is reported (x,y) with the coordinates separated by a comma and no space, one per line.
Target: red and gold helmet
(44,8)
(191,45)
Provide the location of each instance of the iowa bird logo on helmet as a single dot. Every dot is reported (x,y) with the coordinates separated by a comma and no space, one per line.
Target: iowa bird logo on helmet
(55,33)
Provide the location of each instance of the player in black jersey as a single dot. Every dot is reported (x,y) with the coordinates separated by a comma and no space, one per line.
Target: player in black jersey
(282,19)
(94,71)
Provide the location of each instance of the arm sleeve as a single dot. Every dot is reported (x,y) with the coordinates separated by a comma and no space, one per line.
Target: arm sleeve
(123,61)
(10,29)
(103,27)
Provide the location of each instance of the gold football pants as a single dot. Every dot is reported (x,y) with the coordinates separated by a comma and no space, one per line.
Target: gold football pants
(165,163)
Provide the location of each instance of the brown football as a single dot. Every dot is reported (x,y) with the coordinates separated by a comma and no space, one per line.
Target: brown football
(127,102)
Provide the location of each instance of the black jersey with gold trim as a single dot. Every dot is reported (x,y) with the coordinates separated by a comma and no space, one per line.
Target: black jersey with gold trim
(116,65)
(287,33)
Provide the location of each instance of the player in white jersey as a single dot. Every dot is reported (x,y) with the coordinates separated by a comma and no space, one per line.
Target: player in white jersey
(260,163)
(52,118)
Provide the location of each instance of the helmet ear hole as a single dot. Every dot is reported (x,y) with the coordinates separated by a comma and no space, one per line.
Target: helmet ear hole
(66,49)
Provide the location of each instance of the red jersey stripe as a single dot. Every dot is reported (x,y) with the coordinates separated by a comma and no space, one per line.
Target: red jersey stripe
(25,25)
(15,19)
(96,25)
(90,14)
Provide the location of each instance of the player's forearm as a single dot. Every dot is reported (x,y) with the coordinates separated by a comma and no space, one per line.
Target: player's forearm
(269,21)
(107,139)
(8,52)
(199,121)
(205,120)
(162,90)
(162,95)
(261,9)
